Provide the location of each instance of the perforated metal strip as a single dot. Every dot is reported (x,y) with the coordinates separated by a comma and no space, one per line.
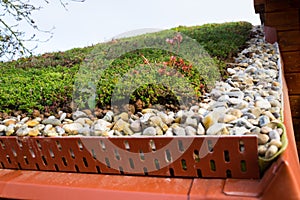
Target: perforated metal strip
(214,157)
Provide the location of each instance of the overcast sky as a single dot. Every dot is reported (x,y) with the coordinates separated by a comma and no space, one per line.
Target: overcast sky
(94,21)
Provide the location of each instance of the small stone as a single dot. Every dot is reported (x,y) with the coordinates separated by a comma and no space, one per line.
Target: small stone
(200,129)
(150,131)
(272,150)
(190,131)
(62,116)
(2,128)
(34,132)
(124,116)
(270,115)
(194,109)
(231,71)
(263,104)
(73,128)
(80,121)
(52,121)
(280,131)
(243,104)
(217,129)
(179,131)
(145,117)
(10,129)
(60,130)
(256,111)
(8,122)
(191,122)
(223,98)
(136,126)
(243,122)
(32,123)
(36,113)
(165,118)
(263,120)
(253,121)
(78,114)
(51,132)
(227,118)
(39,127)
(84,131)
(23,131)
(169,132)
(255,130)
(88,112)
(68,121)
(249,115)
(277,143)
(239,131)
(274,135)
(123,126)
(236,94)
(109,116)
(235,112)
(266,129)
(159,131)
(262,138)
(235,101)
(262,149)
(24,120)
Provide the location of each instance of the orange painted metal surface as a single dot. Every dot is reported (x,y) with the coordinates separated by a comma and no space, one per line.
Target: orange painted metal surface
(23,184)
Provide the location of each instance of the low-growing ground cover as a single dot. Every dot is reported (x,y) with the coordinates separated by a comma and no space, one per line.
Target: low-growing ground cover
(46,82)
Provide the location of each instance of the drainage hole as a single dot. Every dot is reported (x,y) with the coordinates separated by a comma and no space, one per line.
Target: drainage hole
(146,171)
(243,166)
(14,152)
(64,161)
(121,170)
(85,162)
(168,156)
(142,155)
(199,173)
(131,163)
(94,154)
(180,146)
(210,146)
(117,155)
(241,146)
(44,161)
(51,153)
(156,162)
(152,145)
(58,145)
(107,162)
(56,167)
(196,156)
(26,160)
(38,144)
(102,145)
(228,173)
(226,156)
(171,170)
(8,159)
(183,164)
(127,146)
(2,144)
(212,165)
(80,144)
(72,153)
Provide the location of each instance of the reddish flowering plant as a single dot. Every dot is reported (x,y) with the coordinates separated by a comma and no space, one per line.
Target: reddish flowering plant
(177,39)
